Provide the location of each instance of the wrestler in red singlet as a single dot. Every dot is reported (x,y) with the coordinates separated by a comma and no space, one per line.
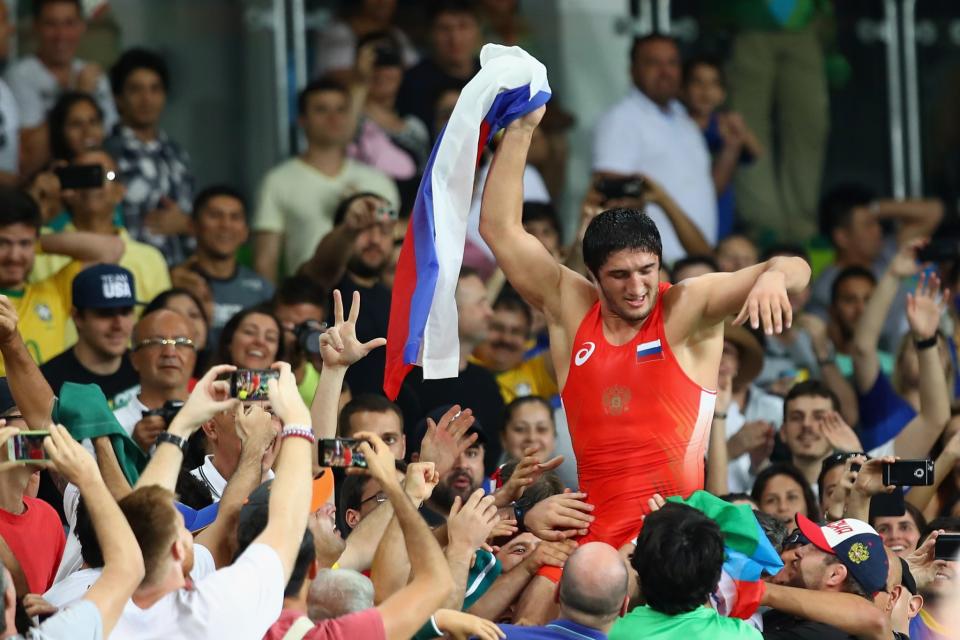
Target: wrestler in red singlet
(638,423)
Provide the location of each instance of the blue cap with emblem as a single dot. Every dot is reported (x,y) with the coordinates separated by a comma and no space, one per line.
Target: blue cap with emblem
(104,286)
(855,544)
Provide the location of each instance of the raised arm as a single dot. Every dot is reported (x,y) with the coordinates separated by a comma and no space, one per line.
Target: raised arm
(30,390)
(918,217)
(923,312)
(84,246)
(717,479)
(329,261)
(290,494)
(122,561)
(529,267)
(257,434)
(266,253)
(409,608)
(758,294)
(920,497)
(690,236)
(866,337)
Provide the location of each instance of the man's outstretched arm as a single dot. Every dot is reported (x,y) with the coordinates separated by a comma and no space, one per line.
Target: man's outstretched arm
(527,264)
(757,295)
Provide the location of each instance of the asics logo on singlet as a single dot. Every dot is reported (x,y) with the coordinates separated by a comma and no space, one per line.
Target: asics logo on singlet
(584,353)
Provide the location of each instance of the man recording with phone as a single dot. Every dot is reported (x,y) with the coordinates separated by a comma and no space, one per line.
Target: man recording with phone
(351,258)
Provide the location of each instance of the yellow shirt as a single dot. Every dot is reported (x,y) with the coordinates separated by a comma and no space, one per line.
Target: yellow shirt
(44,311)
(145,262)
(529,378)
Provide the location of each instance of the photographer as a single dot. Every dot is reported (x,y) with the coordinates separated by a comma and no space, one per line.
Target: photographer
(299,306)
(352,257)
(164,356)
(212,273)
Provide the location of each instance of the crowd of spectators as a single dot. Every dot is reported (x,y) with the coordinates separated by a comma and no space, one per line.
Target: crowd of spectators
(167,507)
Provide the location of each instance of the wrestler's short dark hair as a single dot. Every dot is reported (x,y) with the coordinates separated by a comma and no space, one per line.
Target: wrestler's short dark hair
(618,229)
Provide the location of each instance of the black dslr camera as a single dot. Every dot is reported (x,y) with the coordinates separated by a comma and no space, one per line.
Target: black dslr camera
(308,335)
(168,411)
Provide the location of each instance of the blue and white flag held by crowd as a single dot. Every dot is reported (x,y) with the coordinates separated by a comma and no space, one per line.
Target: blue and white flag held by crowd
(423,313)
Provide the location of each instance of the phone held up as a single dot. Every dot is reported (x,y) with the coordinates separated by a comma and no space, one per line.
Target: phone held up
(341,452)
(908,473)
(27,446)
(251,384)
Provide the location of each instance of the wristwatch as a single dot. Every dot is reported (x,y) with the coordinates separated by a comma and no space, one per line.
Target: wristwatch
(520,508)
(166,436)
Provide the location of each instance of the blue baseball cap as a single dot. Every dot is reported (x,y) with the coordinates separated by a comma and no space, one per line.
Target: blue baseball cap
(196,519)
(855,544)
(104,286)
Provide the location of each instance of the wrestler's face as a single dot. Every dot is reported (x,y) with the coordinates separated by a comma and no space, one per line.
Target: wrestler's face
(628,282)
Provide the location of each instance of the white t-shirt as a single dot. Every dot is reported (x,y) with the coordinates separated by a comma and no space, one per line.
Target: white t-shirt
(299,201)
(130,414)
(36,91)
(212,480)
(9,130)
(636,136)
(72,588)
(239,601)
(336,48)
(760,406)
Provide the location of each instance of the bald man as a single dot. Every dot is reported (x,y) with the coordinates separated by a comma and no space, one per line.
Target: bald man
(164,356)
(593,594)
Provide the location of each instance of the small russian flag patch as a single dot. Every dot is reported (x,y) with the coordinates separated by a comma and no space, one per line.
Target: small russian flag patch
(649,351)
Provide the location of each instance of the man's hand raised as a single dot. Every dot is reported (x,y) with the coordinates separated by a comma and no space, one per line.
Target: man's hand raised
(767,305)
(470,523)
(209,397)
(443,443)
(381,465)
(528,122)
(339,346)
(8,321)
(422,478)
(527,471)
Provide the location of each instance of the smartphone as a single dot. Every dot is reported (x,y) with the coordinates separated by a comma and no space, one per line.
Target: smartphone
(616,188)
(940,250)
(947,546)
(27,446)
(80,176)
(341,452)
(908,473)
(887,505)
(251,384)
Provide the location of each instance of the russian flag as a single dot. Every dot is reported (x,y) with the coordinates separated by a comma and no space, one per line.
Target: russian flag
(649,351)
(748,554)
(423,313)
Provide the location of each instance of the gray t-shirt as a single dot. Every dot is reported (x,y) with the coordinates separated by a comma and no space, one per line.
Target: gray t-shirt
(245,289)
(80,621)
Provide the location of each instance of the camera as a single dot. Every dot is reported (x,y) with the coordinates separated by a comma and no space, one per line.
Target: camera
(168,411)
(308,335)
(616,188)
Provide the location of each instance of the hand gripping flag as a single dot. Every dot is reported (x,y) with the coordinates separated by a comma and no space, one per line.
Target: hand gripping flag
(747,554)
(423,313)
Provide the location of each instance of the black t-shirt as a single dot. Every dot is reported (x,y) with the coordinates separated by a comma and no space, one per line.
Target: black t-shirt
(366,376)
(780,626)
(475,389)
(118,387)
(422,85)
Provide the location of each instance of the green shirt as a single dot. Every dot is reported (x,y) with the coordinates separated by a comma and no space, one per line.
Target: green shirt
(703,622)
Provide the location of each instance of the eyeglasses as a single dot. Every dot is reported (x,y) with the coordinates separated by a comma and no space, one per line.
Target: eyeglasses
(179,343)
(379,497)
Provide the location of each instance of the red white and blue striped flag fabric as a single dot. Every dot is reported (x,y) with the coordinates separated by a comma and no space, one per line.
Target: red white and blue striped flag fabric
(423,313)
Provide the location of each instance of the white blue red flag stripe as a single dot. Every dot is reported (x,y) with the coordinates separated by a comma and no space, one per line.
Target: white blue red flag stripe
(423,312)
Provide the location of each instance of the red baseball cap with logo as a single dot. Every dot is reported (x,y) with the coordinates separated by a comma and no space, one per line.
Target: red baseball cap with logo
(856,544)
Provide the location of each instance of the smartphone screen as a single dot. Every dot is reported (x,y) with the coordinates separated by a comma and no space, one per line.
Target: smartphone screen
(80,176)
(27,446)
(341,452)
(908,473)
(947,546)
(251,384)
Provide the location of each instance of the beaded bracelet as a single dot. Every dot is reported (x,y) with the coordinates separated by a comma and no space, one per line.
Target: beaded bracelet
(298,432)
